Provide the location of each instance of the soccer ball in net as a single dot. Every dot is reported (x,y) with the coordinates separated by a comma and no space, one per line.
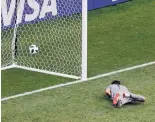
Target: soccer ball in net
(33,49)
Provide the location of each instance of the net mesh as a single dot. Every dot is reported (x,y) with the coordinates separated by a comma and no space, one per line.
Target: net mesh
(58,38)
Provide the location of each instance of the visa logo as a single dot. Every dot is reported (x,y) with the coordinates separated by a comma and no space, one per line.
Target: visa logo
(39,9)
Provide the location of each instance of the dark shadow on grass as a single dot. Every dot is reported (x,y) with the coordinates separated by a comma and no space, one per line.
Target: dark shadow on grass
(134,104)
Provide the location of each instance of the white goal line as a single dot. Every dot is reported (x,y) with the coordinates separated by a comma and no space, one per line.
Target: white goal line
(78,81)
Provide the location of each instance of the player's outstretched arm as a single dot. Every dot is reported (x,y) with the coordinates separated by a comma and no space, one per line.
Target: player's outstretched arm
(108,92)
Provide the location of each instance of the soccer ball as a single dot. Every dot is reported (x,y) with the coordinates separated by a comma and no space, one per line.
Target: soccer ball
(33,49)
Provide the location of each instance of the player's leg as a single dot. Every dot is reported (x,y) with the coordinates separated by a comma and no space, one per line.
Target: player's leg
(116,97)
(119,99)
(138,98)
(122,101)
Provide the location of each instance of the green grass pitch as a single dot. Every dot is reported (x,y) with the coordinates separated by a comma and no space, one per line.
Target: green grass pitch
(118,37)
(85,102)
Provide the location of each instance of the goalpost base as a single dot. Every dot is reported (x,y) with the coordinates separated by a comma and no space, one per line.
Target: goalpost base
(8,67)
(41,71)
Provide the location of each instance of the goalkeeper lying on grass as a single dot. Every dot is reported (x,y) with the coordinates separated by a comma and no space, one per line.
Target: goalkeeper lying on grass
(120,95)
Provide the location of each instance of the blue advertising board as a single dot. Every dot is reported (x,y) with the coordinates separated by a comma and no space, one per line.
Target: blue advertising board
(90,4)
(94,4)
(31,11)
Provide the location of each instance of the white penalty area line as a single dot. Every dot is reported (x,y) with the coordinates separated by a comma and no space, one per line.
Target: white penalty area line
(78,81)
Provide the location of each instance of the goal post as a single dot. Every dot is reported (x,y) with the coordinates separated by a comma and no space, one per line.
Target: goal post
(57,27)
(84,39)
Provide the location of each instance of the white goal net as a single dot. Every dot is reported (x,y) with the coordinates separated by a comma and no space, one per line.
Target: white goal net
(45,36)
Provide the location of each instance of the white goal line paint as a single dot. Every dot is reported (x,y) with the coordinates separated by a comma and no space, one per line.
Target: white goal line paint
(78,81)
